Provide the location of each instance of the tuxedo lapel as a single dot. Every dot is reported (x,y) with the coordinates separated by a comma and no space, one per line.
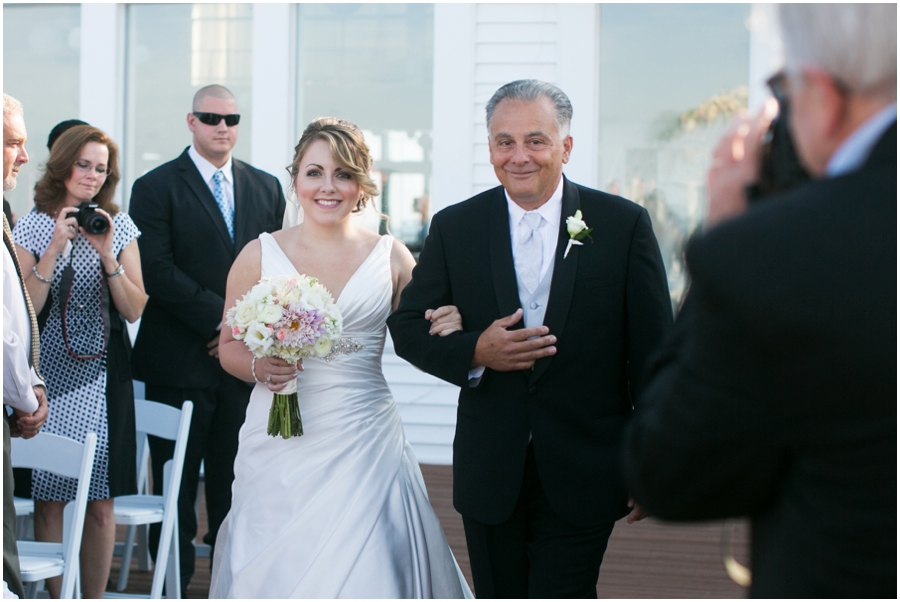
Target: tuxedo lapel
(243,199)
(195,182)
(563,284)
(502,266)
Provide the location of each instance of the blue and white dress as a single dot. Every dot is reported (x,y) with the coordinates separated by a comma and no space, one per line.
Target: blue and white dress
(85,395)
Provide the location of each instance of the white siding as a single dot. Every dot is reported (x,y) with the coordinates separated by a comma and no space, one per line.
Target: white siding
(488,45)
(427,407)
(512,41)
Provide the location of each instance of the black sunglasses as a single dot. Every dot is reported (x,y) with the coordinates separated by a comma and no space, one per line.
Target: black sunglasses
(215,118)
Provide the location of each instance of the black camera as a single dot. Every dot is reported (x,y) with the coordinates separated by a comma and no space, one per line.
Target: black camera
(88,218)
(780,167)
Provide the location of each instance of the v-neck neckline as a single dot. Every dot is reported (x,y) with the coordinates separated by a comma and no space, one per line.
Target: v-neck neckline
(352,276)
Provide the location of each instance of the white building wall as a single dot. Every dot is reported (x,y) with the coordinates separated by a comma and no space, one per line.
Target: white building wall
(480,47)
(102,71)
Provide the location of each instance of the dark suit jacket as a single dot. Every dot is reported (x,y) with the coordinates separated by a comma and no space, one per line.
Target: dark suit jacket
(185,257)
(609,307)
(776,397)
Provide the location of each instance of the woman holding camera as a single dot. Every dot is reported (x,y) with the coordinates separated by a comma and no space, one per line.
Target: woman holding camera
(80,257)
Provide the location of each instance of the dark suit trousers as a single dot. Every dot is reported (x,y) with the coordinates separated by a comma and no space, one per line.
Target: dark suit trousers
(217,419)
(534,554)
(11,573)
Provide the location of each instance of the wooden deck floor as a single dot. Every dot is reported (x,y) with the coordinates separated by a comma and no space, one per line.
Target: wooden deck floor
(649,559)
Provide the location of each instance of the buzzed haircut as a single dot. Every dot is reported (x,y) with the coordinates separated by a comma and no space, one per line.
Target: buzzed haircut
(214,90)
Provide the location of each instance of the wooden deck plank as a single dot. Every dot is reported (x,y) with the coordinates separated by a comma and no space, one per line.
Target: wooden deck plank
(649,559)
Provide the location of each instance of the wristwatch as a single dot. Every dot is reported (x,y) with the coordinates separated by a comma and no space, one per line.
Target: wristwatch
(119,271)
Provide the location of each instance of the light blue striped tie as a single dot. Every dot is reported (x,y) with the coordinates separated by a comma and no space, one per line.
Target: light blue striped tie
(222,202)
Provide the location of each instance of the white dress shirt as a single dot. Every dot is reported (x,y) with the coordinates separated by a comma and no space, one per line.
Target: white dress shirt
(207,170)
(18,376)
(518,230)
(856,149)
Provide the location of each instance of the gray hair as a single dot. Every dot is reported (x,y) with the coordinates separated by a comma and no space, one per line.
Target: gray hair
(855,43)
(11,106)
(533,89)
(214,90)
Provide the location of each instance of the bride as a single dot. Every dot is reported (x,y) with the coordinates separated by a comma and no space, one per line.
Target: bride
(341,512)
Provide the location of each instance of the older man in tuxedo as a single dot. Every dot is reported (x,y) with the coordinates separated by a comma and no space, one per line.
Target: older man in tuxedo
(196,213)
(555,341)
(776,397)
(23,389)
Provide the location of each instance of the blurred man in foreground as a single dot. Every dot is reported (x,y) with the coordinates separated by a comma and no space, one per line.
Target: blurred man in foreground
(776,397)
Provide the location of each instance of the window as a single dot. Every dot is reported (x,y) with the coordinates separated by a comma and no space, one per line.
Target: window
(173,50)
(671,77)
(41,68)
(372,64)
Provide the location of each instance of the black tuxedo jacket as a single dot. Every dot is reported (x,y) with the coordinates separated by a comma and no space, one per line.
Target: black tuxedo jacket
(186,253)
(776,396)
(609,307)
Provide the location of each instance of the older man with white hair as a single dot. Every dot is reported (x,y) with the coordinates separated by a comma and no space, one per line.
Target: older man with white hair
(23,388)
(776,395)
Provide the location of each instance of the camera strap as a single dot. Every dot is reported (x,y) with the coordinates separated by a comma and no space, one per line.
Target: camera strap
(67,278)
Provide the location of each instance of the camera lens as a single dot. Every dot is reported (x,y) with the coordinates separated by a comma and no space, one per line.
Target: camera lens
(90,220)
(97,224)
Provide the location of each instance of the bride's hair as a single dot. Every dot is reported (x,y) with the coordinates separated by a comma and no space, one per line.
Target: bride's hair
(348,147)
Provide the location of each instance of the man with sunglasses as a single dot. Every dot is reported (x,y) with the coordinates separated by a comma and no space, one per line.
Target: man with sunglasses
(196,213)
(776,395)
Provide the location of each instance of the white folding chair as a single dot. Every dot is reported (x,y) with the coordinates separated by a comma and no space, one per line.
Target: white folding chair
(166,422)
(141,533)
(63,456)
(24,518)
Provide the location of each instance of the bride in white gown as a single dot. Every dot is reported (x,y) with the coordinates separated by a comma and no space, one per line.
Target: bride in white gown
(341,512)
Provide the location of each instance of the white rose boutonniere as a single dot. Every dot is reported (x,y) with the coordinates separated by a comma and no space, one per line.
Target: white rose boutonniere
(578,230)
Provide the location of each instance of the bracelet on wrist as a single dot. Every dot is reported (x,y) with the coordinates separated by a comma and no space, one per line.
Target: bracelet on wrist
(38,275)
(253,369)
(118,271)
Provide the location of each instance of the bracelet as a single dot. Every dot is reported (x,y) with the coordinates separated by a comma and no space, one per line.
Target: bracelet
(119,271)
(39,277)
(253,369)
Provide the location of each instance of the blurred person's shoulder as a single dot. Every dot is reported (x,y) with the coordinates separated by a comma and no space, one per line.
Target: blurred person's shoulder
(820,227)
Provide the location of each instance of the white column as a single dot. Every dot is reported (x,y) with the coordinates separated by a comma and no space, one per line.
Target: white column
(578,75)
(766,52)
(273,98)
(102,72)
(453,104)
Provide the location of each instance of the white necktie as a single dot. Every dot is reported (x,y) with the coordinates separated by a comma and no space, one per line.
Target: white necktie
(222,202)
(529,253)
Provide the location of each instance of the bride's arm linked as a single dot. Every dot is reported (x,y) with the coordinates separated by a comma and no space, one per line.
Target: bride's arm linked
(444,319)
(234,356)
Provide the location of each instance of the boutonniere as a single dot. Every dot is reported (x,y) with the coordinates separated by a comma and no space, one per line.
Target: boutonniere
(578,231)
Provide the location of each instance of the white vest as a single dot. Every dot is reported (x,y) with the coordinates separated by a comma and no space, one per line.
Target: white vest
(534,305)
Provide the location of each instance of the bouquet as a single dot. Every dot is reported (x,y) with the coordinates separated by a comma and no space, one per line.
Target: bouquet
(289,317)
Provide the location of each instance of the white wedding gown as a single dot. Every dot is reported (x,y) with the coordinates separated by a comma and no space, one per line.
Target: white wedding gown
(341,512)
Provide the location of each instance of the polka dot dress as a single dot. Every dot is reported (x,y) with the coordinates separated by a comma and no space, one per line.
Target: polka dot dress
(75,366)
